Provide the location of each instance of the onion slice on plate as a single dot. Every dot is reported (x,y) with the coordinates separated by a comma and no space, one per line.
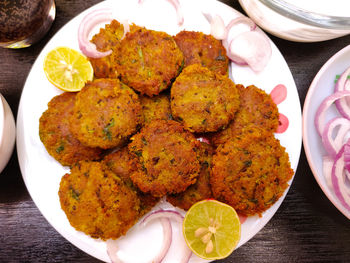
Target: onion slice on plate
(338,180)
(164,216)
(89,22)
(339,127)
(217,26)
(324,106)
(343,84)
(170,214)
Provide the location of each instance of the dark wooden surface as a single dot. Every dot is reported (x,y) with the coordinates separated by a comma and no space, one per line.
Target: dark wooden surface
(306,228)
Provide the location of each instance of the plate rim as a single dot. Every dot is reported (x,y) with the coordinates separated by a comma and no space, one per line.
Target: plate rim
(20,139)
(305,115)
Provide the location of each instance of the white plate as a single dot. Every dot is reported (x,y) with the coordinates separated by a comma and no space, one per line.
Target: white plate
(321,87)
(42,173)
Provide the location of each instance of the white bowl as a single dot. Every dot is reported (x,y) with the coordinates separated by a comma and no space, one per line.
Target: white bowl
(7,132)
(321,87)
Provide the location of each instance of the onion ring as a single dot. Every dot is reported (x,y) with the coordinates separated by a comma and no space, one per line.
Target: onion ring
(326,103)
(90,21)
(341,85)
(331,145)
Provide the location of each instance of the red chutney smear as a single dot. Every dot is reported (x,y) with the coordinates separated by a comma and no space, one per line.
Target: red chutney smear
(279,94)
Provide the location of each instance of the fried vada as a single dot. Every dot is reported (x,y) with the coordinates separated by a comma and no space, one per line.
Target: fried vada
(203,100)
(200,48)
(97,202)
(165,155)
(257,108)
(250,171)
(55,134)
(148,61)
(106,113)
(201,189)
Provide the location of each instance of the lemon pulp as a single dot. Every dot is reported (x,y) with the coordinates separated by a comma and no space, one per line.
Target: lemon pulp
(211,229)
(67,69)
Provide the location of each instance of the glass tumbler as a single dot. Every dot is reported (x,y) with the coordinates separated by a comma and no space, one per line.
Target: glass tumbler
(24,22)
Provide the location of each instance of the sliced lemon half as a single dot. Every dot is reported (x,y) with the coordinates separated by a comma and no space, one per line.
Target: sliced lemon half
(211,229)
(67,69)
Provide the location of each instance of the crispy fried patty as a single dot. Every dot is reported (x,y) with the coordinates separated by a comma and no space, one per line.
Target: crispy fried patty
(257,108)
(155,108)
(97,202)
(106,113)
(55,134)
(203,100)
(199,48)
(120,162)
(107,39)
(149,61)
(201,189)
(250,171)
(166,158)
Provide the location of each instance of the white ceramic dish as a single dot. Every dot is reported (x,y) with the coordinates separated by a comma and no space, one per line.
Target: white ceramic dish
(42,174)
(7,133)
(320,88)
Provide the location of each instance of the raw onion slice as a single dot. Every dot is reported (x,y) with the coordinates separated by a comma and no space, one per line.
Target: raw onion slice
(342,84)
(337,127)
(341,190)
(253,48)
(170,214)
(89,22)
(217,26)
(327,166)
(113,248)
(326,103)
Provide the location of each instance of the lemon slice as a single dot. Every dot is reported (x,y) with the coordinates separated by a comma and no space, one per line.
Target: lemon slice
(67,69)
(211,229)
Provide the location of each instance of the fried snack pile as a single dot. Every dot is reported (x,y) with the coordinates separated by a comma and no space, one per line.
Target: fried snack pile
(130,136)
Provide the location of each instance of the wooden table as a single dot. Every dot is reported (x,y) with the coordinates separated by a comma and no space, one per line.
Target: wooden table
(306,228)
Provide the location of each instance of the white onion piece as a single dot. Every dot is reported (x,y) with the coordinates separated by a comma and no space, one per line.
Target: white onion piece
(251,47)
(331,145)
(113,248)
(326,103)
(341,85)
(217,26)
(338,180)
(327,166)
(347,157)
(231,33)
(170,214)
(88,23)
(126,27)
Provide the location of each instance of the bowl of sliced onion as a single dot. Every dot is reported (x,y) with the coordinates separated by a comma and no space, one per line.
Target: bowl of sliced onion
(326,129)
(7,132)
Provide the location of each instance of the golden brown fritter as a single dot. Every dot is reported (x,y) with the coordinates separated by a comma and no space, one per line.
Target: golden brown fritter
(97,202)
(56,137)
(250,171)
(257,108)
(106,113)
(203,100)
(149,61)
(165,157)
(107,39)
(120,163)
(201,189)
(199,48)
(155,108)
